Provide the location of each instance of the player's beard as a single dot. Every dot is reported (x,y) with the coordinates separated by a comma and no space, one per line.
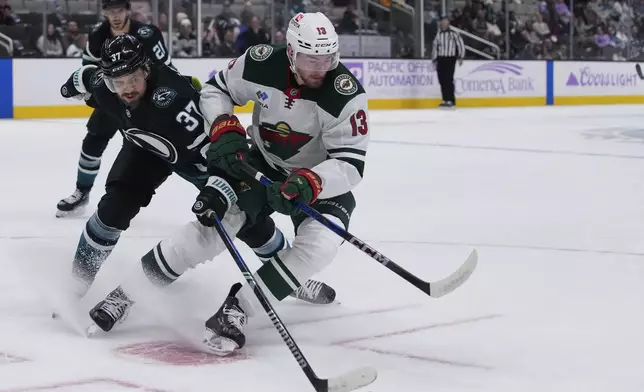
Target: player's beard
(132,99)
(312,79)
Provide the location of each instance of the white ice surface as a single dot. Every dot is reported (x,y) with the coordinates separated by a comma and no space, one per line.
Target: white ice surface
(552,199)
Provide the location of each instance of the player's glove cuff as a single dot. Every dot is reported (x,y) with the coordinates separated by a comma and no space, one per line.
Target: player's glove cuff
(303,184)
(214,200)
(222,186)
(75,86)
(225,124)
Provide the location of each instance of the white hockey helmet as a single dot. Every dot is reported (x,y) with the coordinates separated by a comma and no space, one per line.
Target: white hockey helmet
(312,34)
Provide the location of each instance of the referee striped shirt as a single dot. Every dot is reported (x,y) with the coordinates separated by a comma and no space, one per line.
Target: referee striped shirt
(448,43)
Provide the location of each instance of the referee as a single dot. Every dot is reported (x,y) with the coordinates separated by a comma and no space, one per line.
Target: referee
(448,48)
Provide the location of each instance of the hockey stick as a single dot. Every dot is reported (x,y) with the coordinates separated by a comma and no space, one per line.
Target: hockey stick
(348,382)
(433,289)
(639,71)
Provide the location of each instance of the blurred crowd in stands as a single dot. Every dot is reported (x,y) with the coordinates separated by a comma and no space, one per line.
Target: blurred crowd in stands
(527,29)
(600,29)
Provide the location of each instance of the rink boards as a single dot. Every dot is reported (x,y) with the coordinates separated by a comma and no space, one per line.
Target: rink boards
(29,88)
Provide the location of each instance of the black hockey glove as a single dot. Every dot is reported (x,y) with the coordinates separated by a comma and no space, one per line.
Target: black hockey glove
(75,86)
(214,200)
(228,145)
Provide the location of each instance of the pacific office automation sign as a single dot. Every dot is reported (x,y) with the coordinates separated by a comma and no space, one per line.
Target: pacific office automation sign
(596,78)
(474,79)
(389,78)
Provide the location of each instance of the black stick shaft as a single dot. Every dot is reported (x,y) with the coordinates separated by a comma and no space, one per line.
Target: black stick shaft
(320,385)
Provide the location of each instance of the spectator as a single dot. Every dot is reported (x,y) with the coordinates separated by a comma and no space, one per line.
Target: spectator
(459,20)
(227,13)
(468,11)
(616,44)
(180,17)
(227,47)
(75,49)
(208,40)
(548,51)
(540,27)
(622,38)
(6,17)
(50,45)
(254,35)
(163,26)
(480,25)
(530,35)
(247,13)
(185,42)
(493,30)
(602,39)
(71,35)
(349,22)
(279,38)
(623,11)
(488,9)
(563,11)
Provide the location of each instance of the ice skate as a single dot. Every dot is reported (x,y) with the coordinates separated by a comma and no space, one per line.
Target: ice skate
(114,308)
(315,292)
(73,204)
(225,330)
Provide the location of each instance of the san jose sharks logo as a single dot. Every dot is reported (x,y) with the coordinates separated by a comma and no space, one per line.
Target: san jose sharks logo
(152,142)
(163,96)
(145,32)
(281,140)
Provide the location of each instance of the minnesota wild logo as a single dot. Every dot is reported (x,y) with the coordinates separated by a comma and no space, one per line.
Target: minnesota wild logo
(260,52)
(281,140)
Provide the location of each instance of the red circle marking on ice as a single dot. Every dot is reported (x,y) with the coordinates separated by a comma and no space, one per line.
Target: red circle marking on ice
(176,354)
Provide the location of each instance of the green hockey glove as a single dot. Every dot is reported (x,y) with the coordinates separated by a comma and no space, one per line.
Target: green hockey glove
(302,185)
(228,145)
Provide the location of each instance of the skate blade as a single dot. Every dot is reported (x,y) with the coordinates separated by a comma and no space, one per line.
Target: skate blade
(218,345)
(74,321)
(314,301)
(78,211)
(91,330)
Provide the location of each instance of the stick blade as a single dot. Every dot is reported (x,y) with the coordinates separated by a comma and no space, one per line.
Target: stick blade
(353,380)
(456,279)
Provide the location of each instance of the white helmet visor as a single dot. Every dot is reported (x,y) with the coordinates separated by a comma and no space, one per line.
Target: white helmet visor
(316,62)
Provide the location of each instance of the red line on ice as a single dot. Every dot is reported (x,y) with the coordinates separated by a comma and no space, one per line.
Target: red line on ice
(348,343)
(76,383)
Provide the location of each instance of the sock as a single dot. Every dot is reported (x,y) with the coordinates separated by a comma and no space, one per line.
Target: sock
(272,246)
(88,167)
(314,247)
(156,267)
(95,245)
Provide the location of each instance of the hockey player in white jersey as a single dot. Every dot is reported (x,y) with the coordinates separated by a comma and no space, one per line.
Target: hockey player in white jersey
(310,134)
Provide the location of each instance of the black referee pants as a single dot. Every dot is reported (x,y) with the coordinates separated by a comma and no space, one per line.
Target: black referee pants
(445,68)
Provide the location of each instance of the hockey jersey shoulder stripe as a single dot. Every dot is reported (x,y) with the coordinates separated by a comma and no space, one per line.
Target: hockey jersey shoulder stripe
(219,83)
(334,151)
(215,81)
(357,163)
